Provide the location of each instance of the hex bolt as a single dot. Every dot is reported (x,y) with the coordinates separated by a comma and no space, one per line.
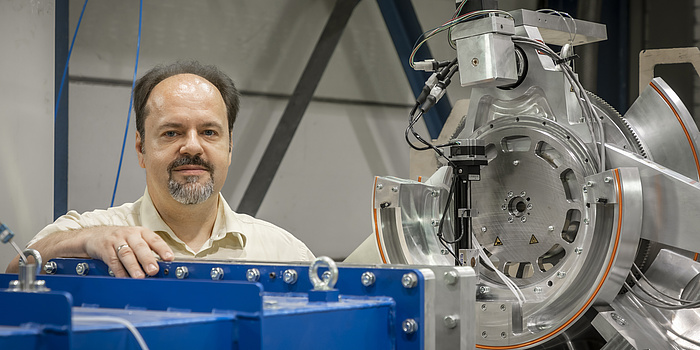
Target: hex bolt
(607,179)
(110,272)
(484,335)
(395,189)
(290,276)
(50,267)
(82,269)
(537,289)
(503,307)
(326,276)
(380,186)
(483,307)
(510,194)
(510,219)
(451,277)
(523,193)
(561,274)
(216,273)
(578,250)
(409,326)
(409,280)
(451,321)
(368,278)
(550,228)
(181,272)
(252,275)
(40,286)
(14,286)
(523,219)
(516,162)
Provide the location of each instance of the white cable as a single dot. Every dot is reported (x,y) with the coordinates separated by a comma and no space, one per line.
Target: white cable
(507,281)
(114,319)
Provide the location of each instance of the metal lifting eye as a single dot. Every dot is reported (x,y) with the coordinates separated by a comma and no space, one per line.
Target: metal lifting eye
(317,282)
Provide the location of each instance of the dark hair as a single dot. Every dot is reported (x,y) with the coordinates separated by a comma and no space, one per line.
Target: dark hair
(219,79)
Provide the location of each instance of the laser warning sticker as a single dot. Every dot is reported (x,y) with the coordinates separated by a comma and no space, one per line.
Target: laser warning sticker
(497,242)
(533,240)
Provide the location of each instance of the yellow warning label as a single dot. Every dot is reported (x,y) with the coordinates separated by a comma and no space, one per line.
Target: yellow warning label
(533,240)
(497,242)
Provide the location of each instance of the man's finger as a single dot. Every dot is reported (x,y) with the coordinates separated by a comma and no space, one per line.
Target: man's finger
(158,245)
(128,259)
(116,266)
(143,254)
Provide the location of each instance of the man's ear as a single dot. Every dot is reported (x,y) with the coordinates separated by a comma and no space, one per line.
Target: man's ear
(230,147)
(139,150)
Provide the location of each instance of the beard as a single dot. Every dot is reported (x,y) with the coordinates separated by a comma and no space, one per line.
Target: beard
(191,191)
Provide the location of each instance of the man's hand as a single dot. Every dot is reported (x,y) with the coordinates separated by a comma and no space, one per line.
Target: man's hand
(127,250)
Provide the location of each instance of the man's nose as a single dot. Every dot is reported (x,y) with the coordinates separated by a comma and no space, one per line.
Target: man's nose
(192,145)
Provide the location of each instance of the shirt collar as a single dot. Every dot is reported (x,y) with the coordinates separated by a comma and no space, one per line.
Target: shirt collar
(225,223)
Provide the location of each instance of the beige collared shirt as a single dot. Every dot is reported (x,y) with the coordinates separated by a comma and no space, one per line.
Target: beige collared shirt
(234,236)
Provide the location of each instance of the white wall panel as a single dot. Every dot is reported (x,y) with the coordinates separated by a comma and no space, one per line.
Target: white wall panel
(26,119)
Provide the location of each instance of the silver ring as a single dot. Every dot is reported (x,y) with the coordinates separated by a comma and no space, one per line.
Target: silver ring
(120,247)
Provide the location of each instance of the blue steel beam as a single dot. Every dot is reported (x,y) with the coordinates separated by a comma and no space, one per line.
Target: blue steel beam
(404,28)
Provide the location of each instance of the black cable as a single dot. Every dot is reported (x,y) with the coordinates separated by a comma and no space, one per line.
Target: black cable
(440,236)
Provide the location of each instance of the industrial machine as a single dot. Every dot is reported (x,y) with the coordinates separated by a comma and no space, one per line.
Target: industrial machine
(581,223)
(550,221)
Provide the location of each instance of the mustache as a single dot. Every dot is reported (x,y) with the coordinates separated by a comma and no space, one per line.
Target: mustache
(196,160)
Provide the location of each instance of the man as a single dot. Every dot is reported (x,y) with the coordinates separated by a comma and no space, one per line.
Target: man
(184,121)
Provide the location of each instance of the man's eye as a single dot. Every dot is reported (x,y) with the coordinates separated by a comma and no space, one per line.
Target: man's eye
(209,132)
(170,133)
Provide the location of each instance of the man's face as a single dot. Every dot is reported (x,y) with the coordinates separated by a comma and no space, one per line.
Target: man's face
(186,147)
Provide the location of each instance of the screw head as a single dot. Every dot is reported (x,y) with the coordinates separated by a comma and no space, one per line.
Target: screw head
(216,273)
(483,228)
(510,194)
(444,251)
(50,267)
(617,318)
(578,250)
(561,274)
(380,186)
(483,307)
(484,334)
(523,193)
(451,277)
(503,307)
(110,272)
(607,179)
(475,61)
(368,278)
(82,269)
(510,219)
(409,326)
(523,218)
(435,193)
(537,289)
(395,189)
(252,275)
(289,276)
(40,286)
(585,189)
(14,285)
(550,228)
(589,183)
(451,321)
(516,162)
(181,272)
(503,335)
(435,222)
(504,207)
(409,280)
(484,290)
(529,206)
(585,221)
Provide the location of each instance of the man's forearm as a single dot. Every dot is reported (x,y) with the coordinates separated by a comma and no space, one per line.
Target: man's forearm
(59,244)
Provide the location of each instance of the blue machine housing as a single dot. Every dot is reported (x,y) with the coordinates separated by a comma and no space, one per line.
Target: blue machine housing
(198,312)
